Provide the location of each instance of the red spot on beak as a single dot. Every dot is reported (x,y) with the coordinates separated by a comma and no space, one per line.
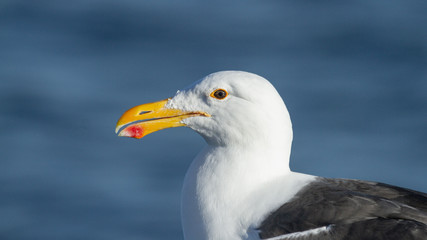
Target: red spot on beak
(134,131)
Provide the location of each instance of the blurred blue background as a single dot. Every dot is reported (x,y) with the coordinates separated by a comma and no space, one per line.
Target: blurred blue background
(353,75)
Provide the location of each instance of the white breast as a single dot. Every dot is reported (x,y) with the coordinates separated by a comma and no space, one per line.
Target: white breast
(227,194)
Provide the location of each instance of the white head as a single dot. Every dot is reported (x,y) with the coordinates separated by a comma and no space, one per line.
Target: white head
(246,110)
(251,109)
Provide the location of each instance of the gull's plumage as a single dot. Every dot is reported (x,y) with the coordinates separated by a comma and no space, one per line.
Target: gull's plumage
(240,185)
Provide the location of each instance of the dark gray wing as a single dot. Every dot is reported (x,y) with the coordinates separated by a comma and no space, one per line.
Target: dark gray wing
(351,210)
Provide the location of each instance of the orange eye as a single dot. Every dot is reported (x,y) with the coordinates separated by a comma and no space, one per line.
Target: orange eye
(219,94)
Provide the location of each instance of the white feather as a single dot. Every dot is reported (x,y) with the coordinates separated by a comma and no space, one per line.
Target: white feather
(296,235)
(243,174)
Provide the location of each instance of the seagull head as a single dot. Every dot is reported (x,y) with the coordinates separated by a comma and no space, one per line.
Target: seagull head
(227,107)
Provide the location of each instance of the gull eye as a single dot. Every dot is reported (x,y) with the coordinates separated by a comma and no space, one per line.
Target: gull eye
(219,94)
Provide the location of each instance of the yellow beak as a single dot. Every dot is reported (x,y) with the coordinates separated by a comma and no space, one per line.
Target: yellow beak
(144,119)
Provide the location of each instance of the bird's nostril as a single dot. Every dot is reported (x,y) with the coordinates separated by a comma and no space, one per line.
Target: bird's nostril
(144,112)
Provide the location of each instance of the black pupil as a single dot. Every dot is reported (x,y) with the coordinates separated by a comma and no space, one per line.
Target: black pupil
(220,94)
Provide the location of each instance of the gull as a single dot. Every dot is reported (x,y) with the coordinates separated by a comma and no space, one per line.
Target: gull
(240,185)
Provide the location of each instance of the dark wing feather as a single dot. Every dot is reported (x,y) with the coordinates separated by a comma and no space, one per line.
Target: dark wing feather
(351,209)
